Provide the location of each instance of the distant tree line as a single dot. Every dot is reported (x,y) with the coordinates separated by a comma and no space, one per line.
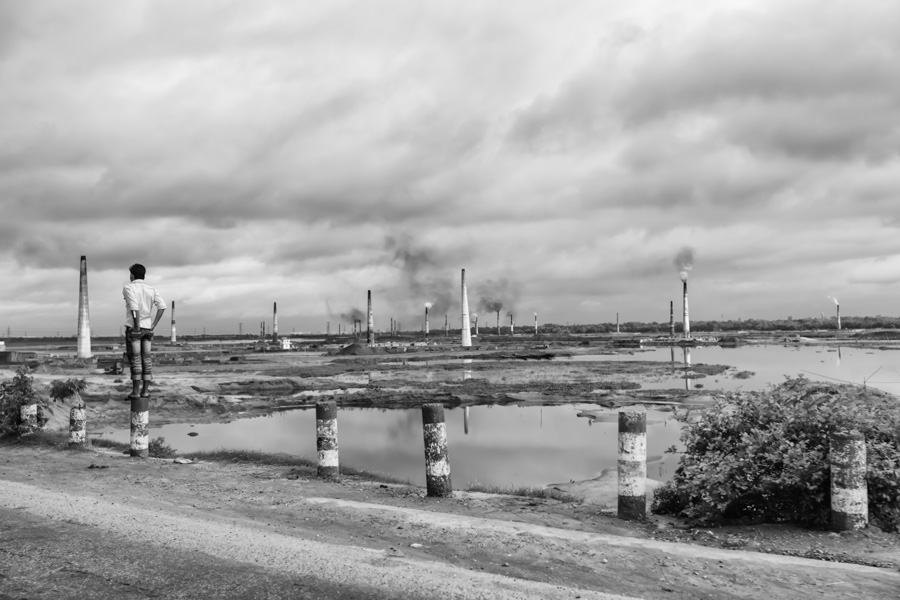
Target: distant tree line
(789,324)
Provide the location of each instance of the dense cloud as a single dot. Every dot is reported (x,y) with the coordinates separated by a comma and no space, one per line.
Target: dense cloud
(307,154)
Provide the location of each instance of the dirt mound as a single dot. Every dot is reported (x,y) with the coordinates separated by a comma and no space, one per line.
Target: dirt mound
(360,350)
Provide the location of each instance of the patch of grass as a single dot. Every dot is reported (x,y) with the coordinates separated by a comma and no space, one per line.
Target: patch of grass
(252,457)
(38,438)
(526,491)
(59,440)
(255,457)
(107,443)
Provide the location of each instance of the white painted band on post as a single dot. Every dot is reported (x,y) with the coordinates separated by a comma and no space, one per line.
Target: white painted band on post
(140,436)
(76,425)
(437,433)
(633,446)
(632,478)
(850,501)
(328,458)
(327,428)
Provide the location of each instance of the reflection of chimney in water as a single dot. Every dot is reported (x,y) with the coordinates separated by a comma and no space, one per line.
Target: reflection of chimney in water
(687,367)
(466,420)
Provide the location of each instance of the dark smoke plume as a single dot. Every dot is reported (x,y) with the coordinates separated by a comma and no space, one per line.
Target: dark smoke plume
(425,277)
(495,294)
(349,315)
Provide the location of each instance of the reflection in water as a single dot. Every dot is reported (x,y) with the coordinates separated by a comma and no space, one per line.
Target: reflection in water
(512,446)
(839,356)
(687,367)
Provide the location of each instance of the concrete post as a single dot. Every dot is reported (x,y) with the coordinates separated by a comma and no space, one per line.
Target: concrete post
(437,464)
(327,440)
(849,495)
(77,434)
(140,427)
(632,465)
(28,419)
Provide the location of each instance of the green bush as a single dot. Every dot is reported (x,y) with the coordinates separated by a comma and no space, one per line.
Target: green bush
(764,456)
(14,394)
(158,448)
(60,390)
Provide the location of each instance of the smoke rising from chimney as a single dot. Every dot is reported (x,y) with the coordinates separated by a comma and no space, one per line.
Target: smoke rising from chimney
(495,294)
(684,262)
(424,275)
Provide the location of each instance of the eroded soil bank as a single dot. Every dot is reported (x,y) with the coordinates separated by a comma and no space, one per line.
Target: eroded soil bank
(275,524)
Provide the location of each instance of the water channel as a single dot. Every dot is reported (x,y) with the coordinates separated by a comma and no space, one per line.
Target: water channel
(535,445)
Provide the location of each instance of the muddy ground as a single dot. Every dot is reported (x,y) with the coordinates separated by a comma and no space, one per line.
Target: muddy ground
(573,545)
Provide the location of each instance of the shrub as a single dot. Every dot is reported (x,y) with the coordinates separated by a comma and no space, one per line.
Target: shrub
(14,394)
(764,456)
(158,448)
(60,390)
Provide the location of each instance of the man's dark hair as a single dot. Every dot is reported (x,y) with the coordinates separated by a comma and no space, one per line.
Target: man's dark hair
(138,270)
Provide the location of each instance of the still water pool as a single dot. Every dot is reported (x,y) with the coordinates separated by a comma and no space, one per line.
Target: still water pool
(533,445)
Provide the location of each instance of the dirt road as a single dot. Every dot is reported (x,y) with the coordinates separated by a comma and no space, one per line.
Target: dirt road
(132,528)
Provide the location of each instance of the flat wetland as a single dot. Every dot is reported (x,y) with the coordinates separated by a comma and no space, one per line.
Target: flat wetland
(222,383)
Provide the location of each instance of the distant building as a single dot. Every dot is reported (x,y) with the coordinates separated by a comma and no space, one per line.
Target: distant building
(2,346)
(286,344)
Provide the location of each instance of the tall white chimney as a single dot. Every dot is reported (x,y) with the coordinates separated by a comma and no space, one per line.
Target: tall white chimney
(687,319)
(83,349)
(466,332)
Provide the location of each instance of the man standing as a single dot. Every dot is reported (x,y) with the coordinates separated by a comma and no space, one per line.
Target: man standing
(140,299)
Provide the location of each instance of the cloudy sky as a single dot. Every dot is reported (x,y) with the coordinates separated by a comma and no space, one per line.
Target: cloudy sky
(562,152)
